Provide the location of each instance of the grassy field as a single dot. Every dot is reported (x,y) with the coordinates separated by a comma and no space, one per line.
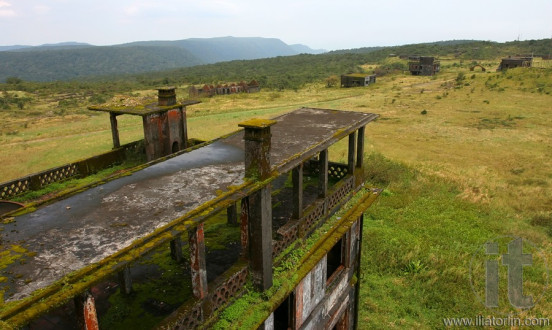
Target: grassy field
(464,157)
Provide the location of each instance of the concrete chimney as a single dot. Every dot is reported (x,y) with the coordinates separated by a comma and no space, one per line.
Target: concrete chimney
(166,96)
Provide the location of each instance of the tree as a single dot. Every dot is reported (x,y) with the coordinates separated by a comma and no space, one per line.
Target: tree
(331,81)
(13,80)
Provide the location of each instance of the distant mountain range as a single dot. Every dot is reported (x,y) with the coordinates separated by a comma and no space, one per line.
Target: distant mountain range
(73,60)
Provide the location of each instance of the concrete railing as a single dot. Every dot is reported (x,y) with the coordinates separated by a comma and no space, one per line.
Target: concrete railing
(79,168)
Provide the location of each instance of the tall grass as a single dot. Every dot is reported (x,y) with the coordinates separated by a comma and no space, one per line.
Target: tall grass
(419,241)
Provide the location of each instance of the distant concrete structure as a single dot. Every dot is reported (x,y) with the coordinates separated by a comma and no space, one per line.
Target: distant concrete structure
(357,79)
(478,65)
(515,62)
(211,90)
(165,126)
(424,66)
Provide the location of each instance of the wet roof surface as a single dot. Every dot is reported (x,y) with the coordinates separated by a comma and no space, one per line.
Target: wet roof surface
(92,225)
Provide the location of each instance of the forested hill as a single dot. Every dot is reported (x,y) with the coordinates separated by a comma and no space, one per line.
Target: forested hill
(167,61)
(73,60)
(70,64)
(465,49)
(212,50)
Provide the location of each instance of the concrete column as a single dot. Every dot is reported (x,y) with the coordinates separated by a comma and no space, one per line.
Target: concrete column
(114,130)
(358,272)
(176,249)
(360,147)
(257,147)
(85,309)
(125,280)
(351,158)
(184,128)
(323,174)
(198,262)
(174,117)
(257,167)
(156,135)
(244,227)
(260,238)
(151,136)
(297,178)
(232,215)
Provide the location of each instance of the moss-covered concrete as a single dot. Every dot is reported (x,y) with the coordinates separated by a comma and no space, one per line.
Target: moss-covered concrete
(251,309)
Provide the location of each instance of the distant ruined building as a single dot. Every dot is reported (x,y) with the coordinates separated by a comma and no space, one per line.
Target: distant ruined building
(423,66)
(515,62)
(357,79)
(233,88)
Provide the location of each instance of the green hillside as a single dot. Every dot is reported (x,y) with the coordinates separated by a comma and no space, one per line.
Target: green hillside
(274,64)
(48,65)
(68,61)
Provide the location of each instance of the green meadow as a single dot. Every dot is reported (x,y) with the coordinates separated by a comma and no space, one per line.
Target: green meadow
(463,158)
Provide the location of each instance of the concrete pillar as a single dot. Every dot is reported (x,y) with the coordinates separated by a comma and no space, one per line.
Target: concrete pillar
(198,261)
(351,154)
(174,117)
(85,309)
(360,147)
(297,179)
(257,147)
(184,128)
(260,238)
(176,249)
(257,167)
(323,174)
(156,135)
(114,130)
(268,324)
(232,215)
(244,227)
(125,280)
(360,223)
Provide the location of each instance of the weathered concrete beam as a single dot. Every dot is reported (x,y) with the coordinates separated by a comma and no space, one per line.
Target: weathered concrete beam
(244,227)
(232,215)
(176,249)
(297,196)
(184,128)
(260,237)
(360,147)
(114,130)
(125,280)
(85,309)
(323,174)
(351,154)
(198,262)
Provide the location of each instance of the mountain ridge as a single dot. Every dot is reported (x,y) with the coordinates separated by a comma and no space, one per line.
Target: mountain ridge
(70,60)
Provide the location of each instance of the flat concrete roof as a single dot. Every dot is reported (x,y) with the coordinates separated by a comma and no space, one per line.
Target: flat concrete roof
(141,110)
(85,228)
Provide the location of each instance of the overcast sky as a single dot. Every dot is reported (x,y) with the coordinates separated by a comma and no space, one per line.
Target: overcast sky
(317,23)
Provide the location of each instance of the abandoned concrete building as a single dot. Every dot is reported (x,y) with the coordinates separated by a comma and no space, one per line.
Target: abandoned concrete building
(165,125)
(515,62)
(357,79)
(260,228)
(210,90)
(423,66)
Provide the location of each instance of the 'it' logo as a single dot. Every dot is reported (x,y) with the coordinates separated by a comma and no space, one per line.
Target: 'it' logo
(509,267)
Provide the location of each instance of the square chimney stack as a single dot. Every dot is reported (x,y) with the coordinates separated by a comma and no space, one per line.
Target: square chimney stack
(166,96)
